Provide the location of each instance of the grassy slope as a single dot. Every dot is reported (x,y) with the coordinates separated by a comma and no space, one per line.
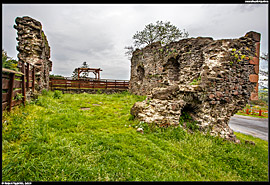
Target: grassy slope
(54,140)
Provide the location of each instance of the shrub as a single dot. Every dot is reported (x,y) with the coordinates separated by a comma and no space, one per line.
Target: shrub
(57,94)
(44,92)
(8,62)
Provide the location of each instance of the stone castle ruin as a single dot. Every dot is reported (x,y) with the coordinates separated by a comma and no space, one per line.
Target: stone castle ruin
(208,79)
(33,48)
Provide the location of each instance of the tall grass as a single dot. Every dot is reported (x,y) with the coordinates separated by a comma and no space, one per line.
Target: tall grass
(92,137)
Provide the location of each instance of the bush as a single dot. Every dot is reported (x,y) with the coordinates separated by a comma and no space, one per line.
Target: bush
(57,94)
(44,92)
(8,62)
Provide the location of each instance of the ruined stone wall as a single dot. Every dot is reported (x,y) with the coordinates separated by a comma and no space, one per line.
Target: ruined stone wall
(33,47)
(209,79)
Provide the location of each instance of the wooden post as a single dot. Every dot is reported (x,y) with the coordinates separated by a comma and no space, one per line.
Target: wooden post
(106,84)
(53,85)
(23,82)
(260,112)
(115,84)
(10,89)
(78,73)
(247,112)
(33,79)
(27,75)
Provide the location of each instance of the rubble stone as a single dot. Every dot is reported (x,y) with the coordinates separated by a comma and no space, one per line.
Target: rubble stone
(209,79)
(33,47)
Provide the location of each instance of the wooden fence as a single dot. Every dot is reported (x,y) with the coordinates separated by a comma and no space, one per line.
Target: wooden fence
(15,85)
(256,112)
(56,83)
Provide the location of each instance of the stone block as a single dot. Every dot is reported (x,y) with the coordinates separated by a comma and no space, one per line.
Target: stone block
(258,49)
(256,89)
(253,78)
(254,96)
(254,35)
(256,69)
(199,79)
(31,47)
(254,60)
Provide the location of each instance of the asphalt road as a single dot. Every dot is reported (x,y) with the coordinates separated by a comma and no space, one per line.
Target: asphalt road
(256,127)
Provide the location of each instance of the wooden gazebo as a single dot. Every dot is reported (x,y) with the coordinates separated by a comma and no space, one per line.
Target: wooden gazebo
(96,71)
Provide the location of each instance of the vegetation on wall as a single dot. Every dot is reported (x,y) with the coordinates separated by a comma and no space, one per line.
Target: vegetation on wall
(8,62)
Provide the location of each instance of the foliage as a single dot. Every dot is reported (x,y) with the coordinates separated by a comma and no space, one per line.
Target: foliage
(163,32)
(83,74)
(264,74)
(187,122)
(98,91)
(237,56)
(56,76)
(55,140)
(44,38)
(254,107)
(263,96)
(8,62)
(57,94)
(18,96)
(196,81)
(265,56)
(44,92)
(74,74)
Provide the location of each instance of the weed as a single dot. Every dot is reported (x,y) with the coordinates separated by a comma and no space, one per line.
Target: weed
(18,96)
(99,91)
(57,94)
(196,81)
(44,92)
(187,122)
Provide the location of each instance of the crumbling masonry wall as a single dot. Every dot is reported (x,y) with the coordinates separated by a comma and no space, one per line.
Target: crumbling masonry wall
(209,79)
(33,48)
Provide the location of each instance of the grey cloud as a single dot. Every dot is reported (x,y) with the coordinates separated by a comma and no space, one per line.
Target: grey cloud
(247,7)
(98,34)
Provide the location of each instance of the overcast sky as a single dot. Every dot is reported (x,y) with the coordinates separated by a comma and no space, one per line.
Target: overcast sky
(98,33)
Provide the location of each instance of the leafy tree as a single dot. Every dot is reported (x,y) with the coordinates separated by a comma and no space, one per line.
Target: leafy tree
(264,73)
(263,92)
(56,76)
(164,32)
(8,62)
(83,74)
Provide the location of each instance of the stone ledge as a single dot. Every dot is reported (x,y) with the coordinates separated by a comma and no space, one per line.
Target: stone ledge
(190,88)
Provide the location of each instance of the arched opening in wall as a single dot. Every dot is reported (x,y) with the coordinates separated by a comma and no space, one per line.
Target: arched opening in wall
(188,109)
(192,105)
(172,67)
(187,118)
(140,72)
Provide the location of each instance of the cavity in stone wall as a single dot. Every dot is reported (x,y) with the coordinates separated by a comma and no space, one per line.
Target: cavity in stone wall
(209,79)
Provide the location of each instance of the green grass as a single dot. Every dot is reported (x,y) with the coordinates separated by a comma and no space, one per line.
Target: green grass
(265,116)
(256,107)
(53,139)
